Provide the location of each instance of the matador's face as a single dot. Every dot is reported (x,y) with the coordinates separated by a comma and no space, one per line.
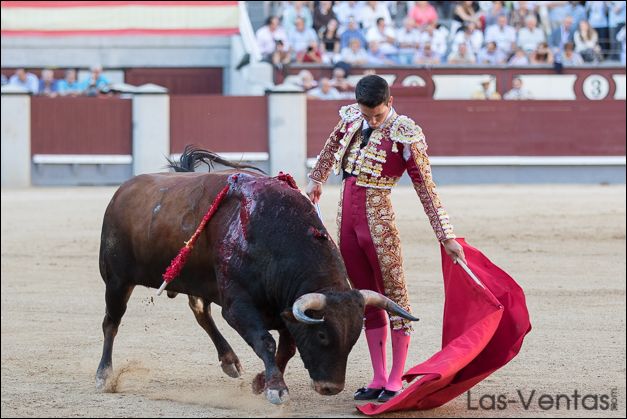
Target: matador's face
(377,115)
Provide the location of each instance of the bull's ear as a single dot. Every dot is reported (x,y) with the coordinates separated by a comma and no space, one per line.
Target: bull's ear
(288,316)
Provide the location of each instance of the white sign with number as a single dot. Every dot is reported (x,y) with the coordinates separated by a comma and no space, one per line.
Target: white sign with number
(596,87)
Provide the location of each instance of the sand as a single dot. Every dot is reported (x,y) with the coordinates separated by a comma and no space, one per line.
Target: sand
(565,245)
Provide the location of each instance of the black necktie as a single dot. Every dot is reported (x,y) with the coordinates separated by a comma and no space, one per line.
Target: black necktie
(366,136)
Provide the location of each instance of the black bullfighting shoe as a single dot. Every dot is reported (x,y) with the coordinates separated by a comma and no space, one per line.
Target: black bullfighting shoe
(386,395)
(366,393)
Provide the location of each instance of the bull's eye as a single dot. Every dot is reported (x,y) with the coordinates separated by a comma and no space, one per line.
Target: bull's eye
(323,338)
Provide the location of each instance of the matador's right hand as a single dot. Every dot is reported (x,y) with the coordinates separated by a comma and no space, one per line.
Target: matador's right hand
(313,191)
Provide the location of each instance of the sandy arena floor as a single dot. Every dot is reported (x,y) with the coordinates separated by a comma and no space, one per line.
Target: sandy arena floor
(565,245)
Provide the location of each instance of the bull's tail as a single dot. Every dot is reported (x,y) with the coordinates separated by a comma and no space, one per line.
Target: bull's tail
(192,156)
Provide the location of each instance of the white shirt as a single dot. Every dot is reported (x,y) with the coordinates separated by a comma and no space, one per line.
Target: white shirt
(504,37)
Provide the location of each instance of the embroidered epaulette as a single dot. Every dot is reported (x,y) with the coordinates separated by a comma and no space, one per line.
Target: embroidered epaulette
(350,113)
(405,131)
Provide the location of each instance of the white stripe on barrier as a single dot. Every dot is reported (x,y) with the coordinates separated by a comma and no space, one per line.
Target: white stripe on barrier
(82,159)
(520,161)
(235,157)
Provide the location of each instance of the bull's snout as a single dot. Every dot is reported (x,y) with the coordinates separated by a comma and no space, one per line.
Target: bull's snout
(327,389)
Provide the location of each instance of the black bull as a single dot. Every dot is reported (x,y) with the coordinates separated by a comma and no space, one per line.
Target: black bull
(264,257)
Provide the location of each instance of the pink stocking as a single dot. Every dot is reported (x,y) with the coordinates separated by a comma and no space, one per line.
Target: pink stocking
(377,341)
(400,347)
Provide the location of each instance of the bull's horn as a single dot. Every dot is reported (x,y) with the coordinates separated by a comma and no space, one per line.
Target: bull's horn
(311,301)
(373,298)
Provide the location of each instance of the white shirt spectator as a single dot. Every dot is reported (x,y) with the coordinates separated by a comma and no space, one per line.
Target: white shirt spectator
(325,91)
(354,55)
(529,39)
(344,10)
(503,35)
(28,81)
(368,16)
(474,40)
(407,38)
(385,39)
(436,38)
(490,55)
(266,39)
(300,40)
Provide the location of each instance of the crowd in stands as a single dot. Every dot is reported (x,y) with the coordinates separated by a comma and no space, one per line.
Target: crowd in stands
(379,33)
(93,85)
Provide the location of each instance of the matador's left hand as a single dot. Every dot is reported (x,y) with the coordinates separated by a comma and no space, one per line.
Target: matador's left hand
(454,249)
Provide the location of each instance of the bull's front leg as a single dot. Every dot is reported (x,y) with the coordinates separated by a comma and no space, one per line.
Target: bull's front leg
(287,349)
(244,317)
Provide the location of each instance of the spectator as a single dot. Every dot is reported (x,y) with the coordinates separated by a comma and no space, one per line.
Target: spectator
(598,19)
(492,15)
(383,36)
(577,11)
(436,37)
(295,11)
(462,55)
(302,37)
(47,83)
(517,92)
(562,34)
(325,91)
(491,55)
(472,36)
(426,56)
(354,54)
(267,38)
(423,14)
(519,58)
(28,81)
(352,32)
(311,55)
(69,86)
(323,15)
(530,36)
(620,37)
(96,83)
(503,34)
(570,57)
(587,43)
(306,80)
(558,10)
(3,79)
(486,91)
(519,16)
(376,56)
(541,55)
(345,11)
(330,42)
(371,11)
(408,41)
(616,20)
(339,80)
(464,12)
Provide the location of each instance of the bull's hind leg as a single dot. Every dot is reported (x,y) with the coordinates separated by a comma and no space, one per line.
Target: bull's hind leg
(228,360)
(116,297)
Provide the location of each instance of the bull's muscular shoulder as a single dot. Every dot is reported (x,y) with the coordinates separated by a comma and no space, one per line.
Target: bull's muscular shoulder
(350,113)
(405,130)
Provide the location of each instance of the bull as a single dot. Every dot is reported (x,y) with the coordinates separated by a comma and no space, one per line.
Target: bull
(265,258)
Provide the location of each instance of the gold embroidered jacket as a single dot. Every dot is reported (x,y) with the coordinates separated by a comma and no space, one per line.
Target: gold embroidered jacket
(396,146)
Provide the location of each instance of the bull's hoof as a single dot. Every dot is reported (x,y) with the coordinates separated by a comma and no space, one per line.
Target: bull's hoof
(102,377)
(259,383)
(232,370)
(277,396)
(230,365)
